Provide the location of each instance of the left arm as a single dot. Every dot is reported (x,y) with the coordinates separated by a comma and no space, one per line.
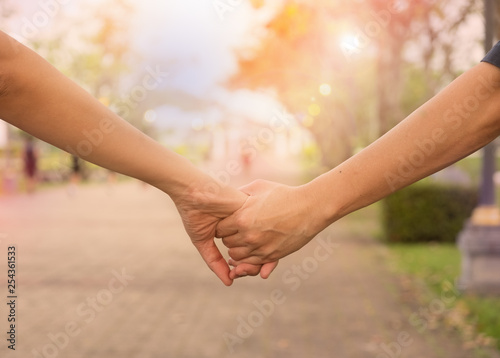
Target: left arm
(37,98)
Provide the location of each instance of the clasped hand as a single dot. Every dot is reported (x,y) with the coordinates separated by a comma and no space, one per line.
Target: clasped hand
(259,225)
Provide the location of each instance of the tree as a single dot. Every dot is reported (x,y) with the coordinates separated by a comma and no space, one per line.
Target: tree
(348,47)
(96,54)
(101,54)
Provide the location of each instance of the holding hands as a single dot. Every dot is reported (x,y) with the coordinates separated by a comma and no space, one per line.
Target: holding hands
(274,221)
(267,221)
(201,212)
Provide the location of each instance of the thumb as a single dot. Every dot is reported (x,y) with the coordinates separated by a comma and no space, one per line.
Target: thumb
(258,186)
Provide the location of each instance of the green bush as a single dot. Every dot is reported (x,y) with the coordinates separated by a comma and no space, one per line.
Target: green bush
(427,212)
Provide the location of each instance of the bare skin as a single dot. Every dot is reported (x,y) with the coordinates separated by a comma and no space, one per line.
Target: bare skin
(277,220)
(37,98)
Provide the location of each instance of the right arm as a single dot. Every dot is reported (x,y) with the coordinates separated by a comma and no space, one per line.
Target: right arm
(277,220)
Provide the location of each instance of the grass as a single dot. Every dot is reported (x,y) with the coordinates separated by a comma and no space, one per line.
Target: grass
(487,315)
(437,264)
(432,263)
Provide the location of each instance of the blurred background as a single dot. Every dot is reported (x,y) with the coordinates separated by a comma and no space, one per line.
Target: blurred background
(286,89)
(344,72)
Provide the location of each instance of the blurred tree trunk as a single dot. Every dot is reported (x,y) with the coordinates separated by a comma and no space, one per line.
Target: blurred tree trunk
(497,35)
(389,83)
(434,31)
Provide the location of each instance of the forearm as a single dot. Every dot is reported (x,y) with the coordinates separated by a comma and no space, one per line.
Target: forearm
(43,102)
(464,117)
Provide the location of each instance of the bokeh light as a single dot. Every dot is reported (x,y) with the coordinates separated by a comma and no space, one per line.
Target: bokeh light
(314,109)
(197,124)
(150,116)
(325,89)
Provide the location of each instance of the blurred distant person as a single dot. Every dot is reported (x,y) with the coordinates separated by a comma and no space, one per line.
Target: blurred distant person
(30,160)
(76,174)
(246,158)
(76,170)
(111,179)
(9,173)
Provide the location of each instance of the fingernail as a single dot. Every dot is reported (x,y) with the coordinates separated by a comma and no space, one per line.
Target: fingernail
(243,274)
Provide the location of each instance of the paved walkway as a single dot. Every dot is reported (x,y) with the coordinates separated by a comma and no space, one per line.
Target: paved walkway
(109,272)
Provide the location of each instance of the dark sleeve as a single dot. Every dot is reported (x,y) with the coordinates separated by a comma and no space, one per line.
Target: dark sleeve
(493,56)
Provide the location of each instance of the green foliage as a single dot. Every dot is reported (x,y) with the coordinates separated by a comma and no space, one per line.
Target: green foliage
(484,312)
(437,265)
(432,263)
(374,86)
(416,89)
(424,213)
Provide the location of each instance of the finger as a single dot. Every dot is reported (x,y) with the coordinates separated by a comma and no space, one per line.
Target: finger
(253,260)
(226,227)
(232,241)
(244,270)
(267,269)
(213,258)
(241,254)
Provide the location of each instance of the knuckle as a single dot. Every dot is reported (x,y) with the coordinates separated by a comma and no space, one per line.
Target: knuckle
(234,254)
(252,238)
(273,256)
(242,222)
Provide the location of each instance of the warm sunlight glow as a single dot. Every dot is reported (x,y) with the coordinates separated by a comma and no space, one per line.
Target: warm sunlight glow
(308,121)
(104,100)
(349,41)
(325,89)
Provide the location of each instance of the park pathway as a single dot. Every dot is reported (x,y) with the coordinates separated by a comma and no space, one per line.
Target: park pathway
(109,272)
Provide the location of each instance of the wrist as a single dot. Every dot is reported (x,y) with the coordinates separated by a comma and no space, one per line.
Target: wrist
(315,208)
(176,183)
(196,190)
(327,198)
